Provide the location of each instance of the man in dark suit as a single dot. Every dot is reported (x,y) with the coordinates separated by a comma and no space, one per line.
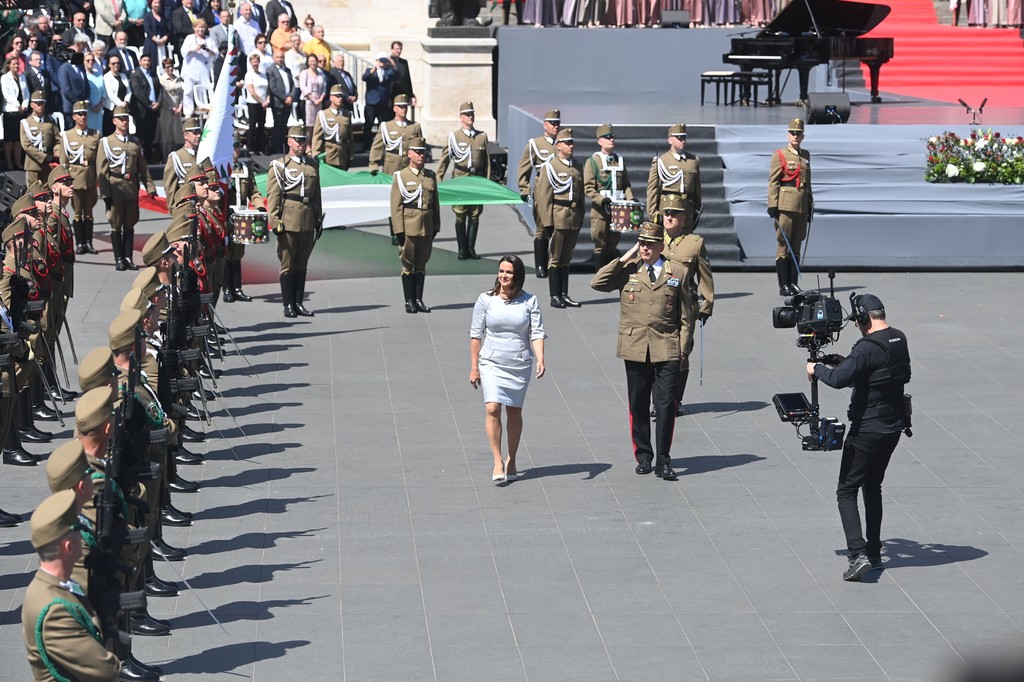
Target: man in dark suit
(276,8)
(339,76)
(402,84)
(378,80)
(38,79)
(129,62)
(73,86)
(145,105)
(78,25)
(284,91)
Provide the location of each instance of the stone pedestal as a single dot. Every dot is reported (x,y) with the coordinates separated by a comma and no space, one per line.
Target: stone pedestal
(457,67)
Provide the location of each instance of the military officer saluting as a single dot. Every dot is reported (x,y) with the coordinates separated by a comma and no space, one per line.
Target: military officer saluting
(121,170)
(332,132)
(676,172)
(691,266)
(650,319)
(37,139)
(416,215)
(790,205)
(60,627)
(466,151)
(295,214)
(182,160)
(558,204)
(605,180)
(539,150)
(76,150)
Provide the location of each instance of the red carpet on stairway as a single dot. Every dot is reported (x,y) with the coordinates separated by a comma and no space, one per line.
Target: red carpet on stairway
(946,63)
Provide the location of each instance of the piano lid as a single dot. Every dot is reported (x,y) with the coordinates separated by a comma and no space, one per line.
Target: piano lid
(833,18)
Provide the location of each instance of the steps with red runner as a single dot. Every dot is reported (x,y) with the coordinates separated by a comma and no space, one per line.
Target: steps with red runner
(946,63)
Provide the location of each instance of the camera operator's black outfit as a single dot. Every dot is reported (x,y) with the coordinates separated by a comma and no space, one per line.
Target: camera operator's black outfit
(878,367)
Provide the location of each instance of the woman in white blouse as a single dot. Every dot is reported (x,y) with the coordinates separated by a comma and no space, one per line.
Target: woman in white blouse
(118,89)
(16,97)
(257,99)
(198,56)
(294,57)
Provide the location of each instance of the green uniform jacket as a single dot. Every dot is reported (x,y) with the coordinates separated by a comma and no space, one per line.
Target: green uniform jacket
(392,157)
(37,139)
(650,315)
(76,151)
(667,172)
(293,194)
(471,149)
(415,211)
(331,136)
(793,196)
(179,166)
(558,195)
(121,168)
(71,647)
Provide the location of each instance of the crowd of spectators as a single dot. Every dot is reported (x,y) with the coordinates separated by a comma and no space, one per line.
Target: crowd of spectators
(641,13)
(988,13)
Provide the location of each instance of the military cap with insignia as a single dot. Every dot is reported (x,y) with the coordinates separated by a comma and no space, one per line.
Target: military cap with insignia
(80,107)
(67,466)
(138,299)
(337,91)
(186,193)
(146,276)
(57,174)
(672,202)
(299,132)
(192,124)
(96,369)
(678,130)
(605,130)
(54,518)
(652,233)
(796,125)
(123,329)
(155,248)
(25,204)
(94,408)
(38,96)
(466,108)
(564,135)
(418,143)
(553,116)
(180,229)
(121,111)
(39,192)
(401,100)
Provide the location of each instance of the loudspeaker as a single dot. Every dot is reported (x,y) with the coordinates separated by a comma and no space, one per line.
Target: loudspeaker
(675,18)
(828,107)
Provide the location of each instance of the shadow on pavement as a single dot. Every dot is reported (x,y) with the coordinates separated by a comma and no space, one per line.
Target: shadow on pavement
(255,540)
(223,659)
(705,464)
(591,470)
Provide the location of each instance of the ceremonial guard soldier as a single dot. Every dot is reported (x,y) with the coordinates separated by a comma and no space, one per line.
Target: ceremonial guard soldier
(61,630)
(295,212)
(121,170)
(650,318)
(676,172)
(466,151)
(242,194)
(605,180)
(558,204)
(77,150)
(691,266)
(332,132)
(387,154)
(790,205)
(37,139)
(539,150)
(181,161)
(416,215)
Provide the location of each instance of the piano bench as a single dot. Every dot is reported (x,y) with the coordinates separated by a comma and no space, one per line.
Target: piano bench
(718,78)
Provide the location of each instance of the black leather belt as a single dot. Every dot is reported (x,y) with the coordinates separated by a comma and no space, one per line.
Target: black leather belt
(788,183)
(569,204)
(296,197)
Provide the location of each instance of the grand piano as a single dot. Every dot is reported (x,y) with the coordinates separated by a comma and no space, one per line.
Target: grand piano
(811,32)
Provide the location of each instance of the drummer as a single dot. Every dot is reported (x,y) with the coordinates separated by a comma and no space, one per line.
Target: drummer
(243,195)
(605,181)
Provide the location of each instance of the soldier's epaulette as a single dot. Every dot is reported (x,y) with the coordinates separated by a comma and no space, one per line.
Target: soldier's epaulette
(429,173)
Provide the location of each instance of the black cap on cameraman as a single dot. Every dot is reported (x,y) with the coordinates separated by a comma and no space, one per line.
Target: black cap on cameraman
(867,303)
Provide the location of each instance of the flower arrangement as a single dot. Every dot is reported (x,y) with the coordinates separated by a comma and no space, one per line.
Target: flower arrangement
(985,156)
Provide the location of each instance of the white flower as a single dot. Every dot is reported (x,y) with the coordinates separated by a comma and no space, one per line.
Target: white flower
(952,171)
(981,143)
(933,140)
(978,166)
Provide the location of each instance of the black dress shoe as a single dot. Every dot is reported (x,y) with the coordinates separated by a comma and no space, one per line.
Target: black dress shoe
(89,248)
(666,474)
(145,626)
(556,302)
(161,551)
(205,373)
(8,520)
(120,266)
(67,393)
(643,468)
(206,395)
(240,296)
(190,435)
(159,588)
(289,311)
(542,272)
(195,414)
(569,303)
(183,456)
(410,307)
(301,310)
(421,307)
(180,485)
(229,295)
(132,671)
(31,434)
(44,413)
(171,507)
(170,518)
(680,410)
(129,264)
(80,249)
(219,329)
(20,458)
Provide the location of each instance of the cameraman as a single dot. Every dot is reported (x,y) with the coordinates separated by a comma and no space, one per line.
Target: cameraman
(877,368)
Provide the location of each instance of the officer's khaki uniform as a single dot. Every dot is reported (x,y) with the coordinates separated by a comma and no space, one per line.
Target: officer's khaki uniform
(602,173)
(390,144)
(241,190)
(37,139)
(294,207)
(332,137)
(558,204)
(416,213)
(77,150)
(466,152)
(673,173)
(789,190)
(121,170)
(690,263)
(538,151)
(179,166)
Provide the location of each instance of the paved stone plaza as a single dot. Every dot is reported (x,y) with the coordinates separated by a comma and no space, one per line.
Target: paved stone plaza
(351,530)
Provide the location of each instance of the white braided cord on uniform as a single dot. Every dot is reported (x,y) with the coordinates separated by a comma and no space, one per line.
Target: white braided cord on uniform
(35,138)
(407,196)
(558,186)
(113,159)
(390,146)
(75,156)
(537,153)
(292,178)
(459,155)
(668,178)
(179,167)
(332,131)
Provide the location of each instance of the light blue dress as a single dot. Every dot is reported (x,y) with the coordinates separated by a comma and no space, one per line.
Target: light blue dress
(506,356)
(97,91)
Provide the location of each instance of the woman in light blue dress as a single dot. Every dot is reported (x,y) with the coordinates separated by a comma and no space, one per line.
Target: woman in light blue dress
(506,336)
(97,91)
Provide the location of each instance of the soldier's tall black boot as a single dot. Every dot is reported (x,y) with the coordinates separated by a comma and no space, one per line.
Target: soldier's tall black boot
(563,276)
(472,230)
(418,280)
(555,288)
(14,454)
(794,276)
(240,295)
(228,290)
(117,244)
(300,293)
(79,229)
(460,237)
(87,231)
(540,257)
(39,409)
(128,245)
(782,272)
(288,294)
(409,290)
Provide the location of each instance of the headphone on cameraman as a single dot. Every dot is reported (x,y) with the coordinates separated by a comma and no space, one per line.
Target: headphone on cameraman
(860,313)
